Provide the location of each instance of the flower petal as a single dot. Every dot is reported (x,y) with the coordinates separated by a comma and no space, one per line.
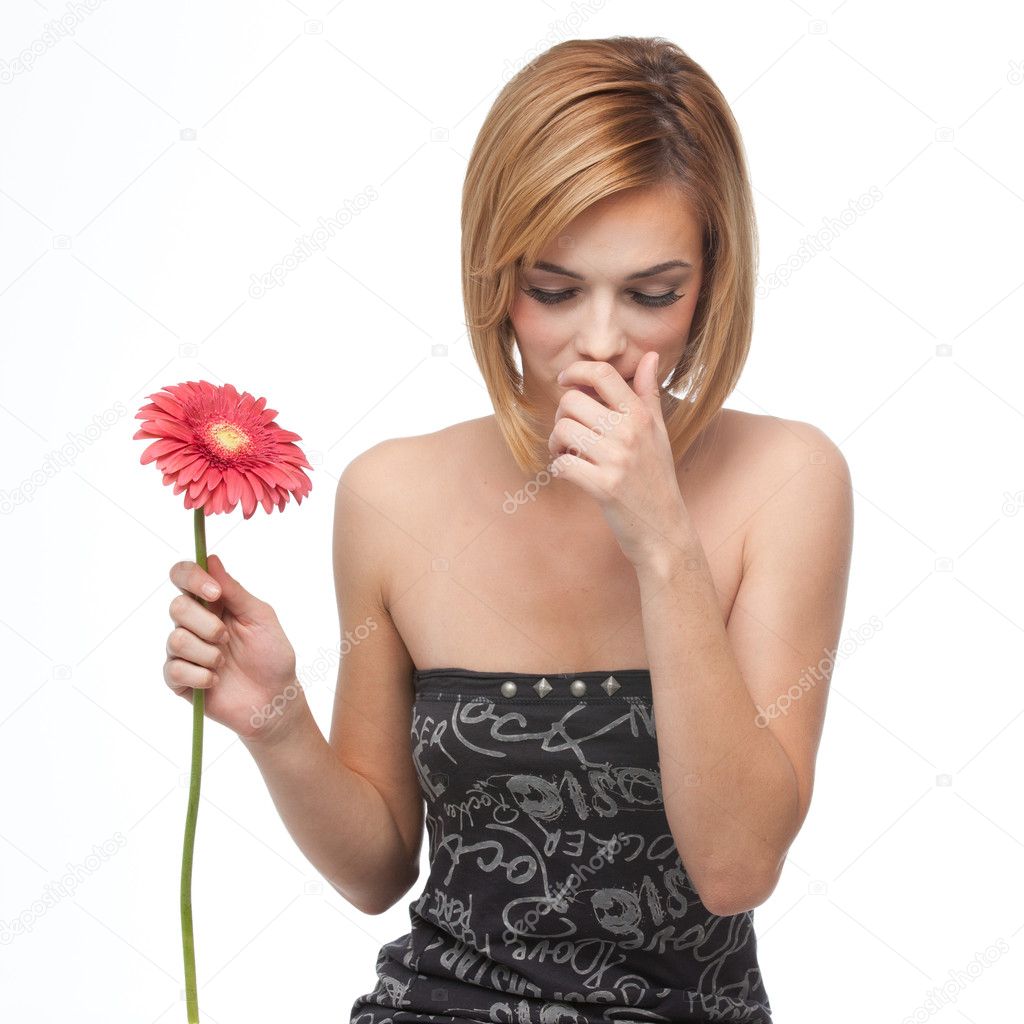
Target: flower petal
(265,470)
(169,428)
(168,405)
(175,462)
(194,471)
(248,497)
(161,447)
(233,481)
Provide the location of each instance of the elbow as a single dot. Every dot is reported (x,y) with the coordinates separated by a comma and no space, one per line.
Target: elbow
(375,909)
(727,896)
(364,906)
(379,901)
(370,905)
(728,904)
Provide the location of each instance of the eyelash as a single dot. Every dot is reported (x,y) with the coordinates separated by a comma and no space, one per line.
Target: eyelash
(651,301)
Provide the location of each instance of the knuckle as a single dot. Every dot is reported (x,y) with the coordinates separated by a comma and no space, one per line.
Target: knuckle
(642,418)
(178,639)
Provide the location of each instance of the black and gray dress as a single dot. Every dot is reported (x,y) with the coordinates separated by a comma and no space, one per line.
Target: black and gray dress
(556,894)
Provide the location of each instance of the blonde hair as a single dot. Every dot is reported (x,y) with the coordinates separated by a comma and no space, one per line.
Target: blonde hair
(584,120)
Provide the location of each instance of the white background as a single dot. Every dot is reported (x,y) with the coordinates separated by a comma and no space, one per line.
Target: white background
(127,259)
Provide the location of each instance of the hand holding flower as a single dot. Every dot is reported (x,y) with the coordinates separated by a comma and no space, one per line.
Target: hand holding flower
(236,651)
(221,448)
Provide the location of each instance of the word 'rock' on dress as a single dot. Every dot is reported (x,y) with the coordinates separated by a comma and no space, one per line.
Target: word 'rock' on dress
(556,894)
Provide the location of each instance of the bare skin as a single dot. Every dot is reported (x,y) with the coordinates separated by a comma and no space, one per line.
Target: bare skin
(438,565)
(544,589)
(547,587)
(434,573)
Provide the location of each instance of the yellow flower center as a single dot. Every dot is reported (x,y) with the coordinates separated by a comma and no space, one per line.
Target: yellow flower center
(228,436)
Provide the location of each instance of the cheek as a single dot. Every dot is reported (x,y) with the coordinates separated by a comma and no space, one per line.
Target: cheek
(666,334)
(535,329)
(664,330)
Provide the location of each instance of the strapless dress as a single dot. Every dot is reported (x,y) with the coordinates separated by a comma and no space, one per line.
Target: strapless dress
(555,893)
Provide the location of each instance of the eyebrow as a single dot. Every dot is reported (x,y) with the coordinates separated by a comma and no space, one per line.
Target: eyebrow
(554,268)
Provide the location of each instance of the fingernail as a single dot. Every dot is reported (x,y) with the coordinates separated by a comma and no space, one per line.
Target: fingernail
(211,589)
(561,374)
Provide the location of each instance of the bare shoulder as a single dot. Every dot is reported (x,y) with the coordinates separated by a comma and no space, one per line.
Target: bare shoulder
(396,467)
(385,494)
(778,444)
(800,478)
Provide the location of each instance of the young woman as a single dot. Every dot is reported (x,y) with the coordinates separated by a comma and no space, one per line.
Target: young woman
(521,595)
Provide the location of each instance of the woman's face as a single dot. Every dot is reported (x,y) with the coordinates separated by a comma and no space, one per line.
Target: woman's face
(592,296)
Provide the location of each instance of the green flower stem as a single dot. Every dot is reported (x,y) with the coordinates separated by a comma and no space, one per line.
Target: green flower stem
(198,717)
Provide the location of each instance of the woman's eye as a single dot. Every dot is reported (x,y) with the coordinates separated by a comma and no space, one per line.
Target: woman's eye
(550,298)
(656,300)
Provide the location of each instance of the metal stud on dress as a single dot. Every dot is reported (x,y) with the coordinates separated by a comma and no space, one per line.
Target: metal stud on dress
(508,688)
(610,685)
(543,687)
(578,687)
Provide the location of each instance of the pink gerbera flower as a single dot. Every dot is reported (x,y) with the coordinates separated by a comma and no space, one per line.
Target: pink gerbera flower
(220,447)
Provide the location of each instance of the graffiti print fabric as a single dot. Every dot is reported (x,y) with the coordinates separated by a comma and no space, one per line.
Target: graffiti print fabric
(556,894)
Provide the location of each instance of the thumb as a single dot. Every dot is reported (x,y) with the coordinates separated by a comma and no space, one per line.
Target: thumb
(233,596)
(645,380)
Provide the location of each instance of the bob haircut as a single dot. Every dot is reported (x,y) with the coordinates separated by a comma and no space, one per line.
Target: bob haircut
(584,120)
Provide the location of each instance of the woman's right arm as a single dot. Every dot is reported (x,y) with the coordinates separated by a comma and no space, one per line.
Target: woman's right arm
(336,817)
(352,805)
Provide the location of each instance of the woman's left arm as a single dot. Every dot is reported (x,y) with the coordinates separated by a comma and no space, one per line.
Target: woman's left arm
(740,708)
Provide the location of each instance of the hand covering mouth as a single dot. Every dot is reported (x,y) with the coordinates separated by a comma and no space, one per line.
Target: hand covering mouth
(587,390)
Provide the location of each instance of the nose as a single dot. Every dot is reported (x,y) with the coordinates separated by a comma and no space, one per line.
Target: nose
(601,336)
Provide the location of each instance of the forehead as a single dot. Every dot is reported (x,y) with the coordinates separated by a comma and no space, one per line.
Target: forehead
(630,230)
